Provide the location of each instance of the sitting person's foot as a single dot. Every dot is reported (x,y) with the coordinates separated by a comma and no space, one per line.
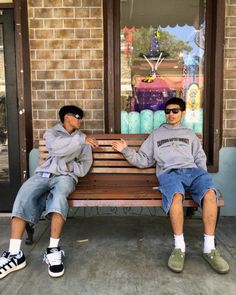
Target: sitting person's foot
(216,261)
(176,260)
(10,263)
(53,257)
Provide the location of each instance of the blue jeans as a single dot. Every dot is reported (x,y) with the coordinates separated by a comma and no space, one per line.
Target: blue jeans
(197,181)
(40,193)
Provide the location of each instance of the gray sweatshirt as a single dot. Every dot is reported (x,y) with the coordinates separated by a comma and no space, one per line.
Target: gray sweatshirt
(171,147)
(67,153)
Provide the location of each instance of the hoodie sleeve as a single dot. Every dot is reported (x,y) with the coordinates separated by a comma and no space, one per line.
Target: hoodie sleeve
(144,157)
(61,146)
(83,164)
(198,154)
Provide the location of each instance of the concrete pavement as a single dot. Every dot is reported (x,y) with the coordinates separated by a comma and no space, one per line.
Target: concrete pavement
(122,256)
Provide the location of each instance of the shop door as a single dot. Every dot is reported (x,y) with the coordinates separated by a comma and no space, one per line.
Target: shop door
(9,137)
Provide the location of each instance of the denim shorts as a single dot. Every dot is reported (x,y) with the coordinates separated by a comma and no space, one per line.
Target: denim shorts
(196,181)
(40,194)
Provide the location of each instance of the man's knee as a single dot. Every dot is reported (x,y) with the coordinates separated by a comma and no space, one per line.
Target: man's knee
(177,198)
(210,196)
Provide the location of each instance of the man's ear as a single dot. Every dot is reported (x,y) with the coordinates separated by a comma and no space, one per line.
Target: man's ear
(183,113)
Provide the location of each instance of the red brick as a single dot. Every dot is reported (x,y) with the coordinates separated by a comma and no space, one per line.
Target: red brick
(55,64)
(81,12)
(45,75)
(92,3)
(65,94)
(43,12)
(74,84)
(63,12)
(72,3)
(55,85)
(65,75)
(72,23)
(46,95)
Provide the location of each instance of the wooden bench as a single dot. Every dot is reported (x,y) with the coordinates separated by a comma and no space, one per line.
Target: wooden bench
(113,182)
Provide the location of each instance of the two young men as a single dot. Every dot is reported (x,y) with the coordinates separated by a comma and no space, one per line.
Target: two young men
(70,157)
(180,163)
(180,166)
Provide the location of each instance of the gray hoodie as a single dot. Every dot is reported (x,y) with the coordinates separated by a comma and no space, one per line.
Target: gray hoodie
(171,147)
(67,153)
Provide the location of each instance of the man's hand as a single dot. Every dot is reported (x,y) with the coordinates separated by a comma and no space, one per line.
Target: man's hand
(91,141)
(119,145)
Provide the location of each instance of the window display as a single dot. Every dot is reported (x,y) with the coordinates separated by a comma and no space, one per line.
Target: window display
(162,56)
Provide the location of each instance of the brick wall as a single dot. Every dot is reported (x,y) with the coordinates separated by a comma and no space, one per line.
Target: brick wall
(229,112)
(66,51)
(66,47)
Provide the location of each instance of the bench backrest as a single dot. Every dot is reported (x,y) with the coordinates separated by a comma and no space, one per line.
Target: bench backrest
(109,165)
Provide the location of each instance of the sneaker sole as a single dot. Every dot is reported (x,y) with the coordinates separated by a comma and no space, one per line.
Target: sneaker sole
(18,267)
(57,274)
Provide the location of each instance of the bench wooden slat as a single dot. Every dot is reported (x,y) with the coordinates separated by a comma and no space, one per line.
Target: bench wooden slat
(118,178)
(108,163)
(108,156)
(120,170)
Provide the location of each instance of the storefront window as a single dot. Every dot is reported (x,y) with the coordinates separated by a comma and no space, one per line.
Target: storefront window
(161,56)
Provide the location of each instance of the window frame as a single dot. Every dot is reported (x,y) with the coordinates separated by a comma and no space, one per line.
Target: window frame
(213,75)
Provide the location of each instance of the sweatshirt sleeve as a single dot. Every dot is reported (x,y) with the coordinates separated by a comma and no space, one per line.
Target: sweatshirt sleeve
(144,157)
(198,154)
(61,146)
(82,165)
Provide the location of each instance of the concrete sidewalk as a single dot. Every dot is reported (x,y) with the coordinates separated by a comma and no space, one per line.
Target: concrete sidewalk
(122,256)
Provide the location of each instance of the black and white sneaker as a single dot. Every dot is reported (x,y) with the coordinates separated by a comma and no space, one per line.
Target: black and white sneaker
(10,263)
(53,257)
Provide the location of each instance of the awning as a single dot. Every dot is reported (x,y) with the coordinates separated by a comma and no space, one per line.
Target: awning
(146,13)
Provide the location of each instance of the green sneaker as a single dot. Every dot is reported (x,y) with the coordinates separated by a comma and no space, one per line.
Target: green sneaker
(216,261)
(176,260)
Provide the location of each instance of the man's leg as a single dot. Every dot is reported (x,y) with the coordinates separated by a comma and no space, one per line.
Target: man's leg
(177,214)
(176,260)
(17,228)
(28,207)
(209,217)
(57,208)
(57,224)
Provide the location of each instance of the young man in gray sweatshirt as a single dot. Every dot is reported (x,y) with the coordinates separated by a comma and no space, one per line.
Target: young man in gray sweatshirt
(69,157)
(180,166)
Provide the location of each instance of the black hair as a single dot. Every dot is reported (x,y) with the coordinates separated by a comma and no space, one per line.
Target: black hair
(70,109)
(179,101)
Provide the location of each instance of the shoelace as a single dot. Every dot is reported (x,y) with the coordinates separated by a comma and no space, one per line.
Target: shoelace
(53,258)
(3,261)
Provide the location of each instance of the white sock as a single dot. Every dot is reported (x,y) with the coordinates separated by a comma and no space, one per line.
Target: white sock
(209,243)
(53,243)
(14,246)
(179,242)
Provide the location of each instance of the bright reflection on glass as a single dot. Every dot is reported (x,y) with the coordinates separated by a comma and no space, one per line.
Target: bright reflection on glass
(4,165)
(162,55)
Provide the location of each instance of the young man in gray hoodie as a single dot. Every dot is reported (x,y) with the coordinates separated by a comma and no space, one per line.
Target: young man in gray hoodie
(180,166)
(69,157)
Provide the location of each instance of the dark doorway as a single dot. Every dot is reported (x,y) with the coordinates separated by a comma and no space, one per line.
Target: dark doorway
(10,178)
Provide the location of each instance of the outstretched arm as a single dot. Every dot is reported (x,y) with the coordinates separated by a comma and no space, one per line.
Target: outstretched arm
(143,158)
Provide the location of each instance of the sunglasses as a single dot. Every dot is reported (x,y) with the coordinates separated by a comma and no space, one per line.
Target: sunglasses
(174,111)
(77,116)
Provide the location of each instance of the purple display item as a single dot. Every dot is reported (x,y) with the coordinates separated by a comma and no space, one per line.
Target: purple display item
(151,96)
(154,49)
(152,100)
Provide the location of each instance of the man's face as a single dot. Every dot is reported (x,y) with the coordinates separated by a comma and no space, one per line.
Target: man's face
(174,114)
(73,121)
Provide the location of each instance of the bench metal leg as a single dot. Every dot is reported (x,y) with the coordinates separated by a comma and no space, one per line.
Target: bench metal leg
(30,232)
